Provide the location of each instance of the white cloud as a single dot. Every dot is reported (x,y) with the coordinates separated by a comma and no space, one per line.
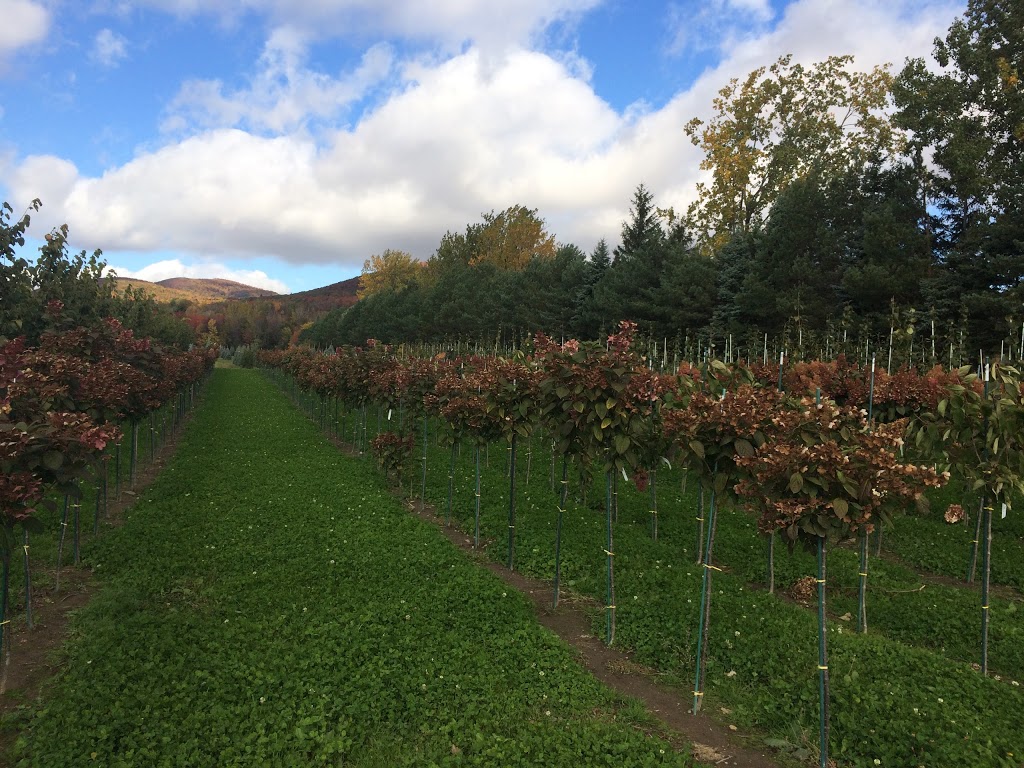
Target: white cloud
(282,96)
(163,270)
(713,24)
(491,24)
(455,138)
(24,22)
(109,48)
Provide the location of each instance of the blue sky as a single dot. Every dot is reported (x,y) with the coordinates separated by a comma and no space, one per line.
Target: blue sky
(283,142)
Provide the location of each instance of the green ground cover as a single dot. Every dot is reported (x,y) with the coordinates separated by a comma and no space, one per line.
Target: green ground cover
(268,602)
(903,695)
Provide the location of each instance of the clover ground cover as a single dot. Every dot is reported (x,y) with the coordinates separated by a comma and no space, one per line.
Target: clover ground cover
(904,695)
(268,602)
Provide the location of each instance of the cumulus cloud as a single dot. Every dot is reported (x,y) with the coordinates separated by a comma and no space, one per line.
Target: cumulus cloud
(454,138)
(109,48)
(24,22)
(168,268)
(283,95)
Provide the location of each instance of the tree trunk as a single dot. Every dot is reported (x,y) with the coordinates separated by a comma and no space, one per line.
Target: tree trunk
(823,683)
(558,526)
(705,609)
(609,557)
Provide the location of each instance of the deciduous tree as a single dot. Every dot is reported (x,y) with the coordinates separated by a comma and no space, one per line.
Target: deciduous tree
(775,126)
(389,271)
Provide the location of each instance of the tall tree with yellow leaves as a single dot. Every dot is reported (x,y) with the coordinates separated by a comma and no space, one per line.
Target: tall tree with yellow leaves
(777,125)
(510,239)
(390,271)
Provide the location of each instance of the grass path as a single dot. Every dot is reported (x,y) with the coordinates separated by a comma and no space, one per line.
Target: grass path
(268,603)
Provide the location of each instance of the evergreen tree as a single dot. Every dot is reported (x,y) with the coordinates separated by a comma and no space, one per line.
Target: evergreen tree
(588,320)
(969,118)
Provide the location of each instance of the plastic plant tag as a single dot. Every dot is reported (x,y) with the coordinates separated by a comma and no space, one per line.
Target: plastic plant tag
(389,414)
(1003,515)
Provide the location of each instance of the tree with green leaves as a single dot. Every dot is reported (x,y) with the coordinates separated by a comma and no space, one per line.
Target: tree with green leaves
(966,125)
(777,125)
(629,288)
(589,319)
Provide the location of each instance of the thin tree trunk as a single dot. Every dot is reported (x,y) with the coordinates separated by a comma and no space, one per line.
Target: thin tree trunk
(558,525)
(973,565)
(705,609)
(823,682)
(476,524)
(60,542)
(451,482)
(654,504)
(5,622)
(423,485)
(134,454)
(28,581)
(512,503)
(700,523)
(610,558)
(862,579)
(76,516)
(986,570)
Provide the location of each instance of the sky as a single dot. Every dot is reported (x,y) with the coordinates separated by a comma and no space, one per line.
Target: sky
(281,143)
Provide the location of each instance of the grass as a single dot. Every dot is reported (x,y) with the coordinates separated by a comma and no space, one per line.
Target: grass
(902,695)
(268,602)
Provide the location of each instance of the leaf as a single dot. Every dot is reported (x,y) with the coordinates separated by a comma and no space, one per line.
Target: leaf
(621,443)
(743,447)
(796,482)
(841,507)
(697,447)
(33,525)
(53,460)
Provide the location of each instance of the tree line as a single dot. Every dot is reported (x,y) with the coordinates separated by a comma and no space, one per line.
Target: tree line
(842,208)
(79,282)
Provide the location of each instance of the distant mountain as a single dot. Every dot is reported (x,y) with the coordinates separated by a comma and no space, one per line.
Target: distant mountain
(329,297)
(241,314)
(216,288)
(195,290)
